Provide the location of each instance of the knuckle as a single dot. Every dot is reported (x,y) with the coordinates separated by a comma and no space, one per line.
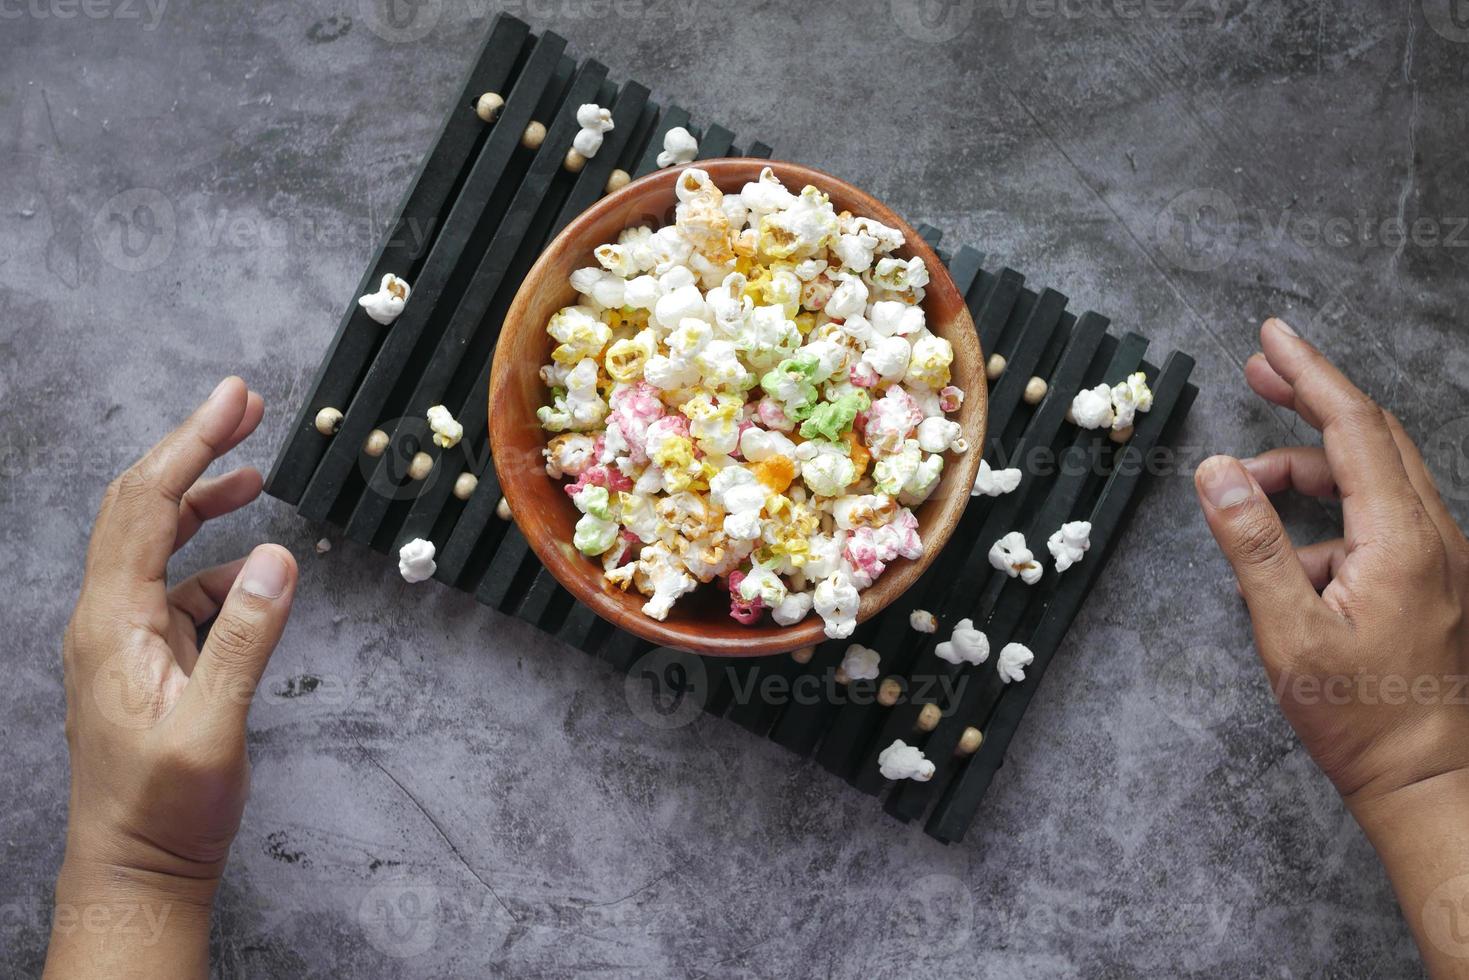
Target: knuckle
(1257,539)
(234,639)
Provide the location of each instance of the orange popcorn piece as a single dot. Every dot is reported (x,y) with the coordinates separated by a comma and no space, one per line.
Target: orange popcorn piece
(775,472)
(860,456)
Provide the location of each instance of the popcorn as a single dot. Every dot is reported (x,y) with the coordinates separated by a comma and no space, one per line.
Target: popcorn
(836,601)
(1011,556)
(924,621)
(387,303)
(1070,543)
(929,365)
(1092,408)
(1014,658)
(861,663)
(749,394)
(594,121)
(903,761)
(679,147)
(993,483)
(1130,397)
(447,432)
(792,609)
(966,645)
(416,561)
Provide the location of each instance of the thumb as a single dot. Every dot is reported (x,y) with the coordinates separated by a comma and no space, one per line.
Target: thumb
(244,635)
(1249,532)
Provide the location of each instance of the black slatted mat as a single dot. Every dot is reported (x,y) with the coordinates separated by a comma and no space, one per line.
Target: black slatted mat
(480,210)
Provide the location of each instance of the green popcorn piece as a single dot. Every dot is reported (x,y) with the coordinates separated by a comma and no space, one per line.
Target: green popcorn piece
(593,535)
(830,419)
(792,383)
(595,500)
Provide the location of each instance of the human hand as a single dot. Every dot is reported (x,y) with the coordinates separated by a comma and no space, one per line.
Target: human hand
(1364,638)
(155,724)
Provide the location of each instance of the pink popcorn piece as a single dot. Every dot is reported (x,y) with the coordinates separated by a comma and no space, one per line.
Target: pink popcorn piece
(600,475)
(772,416)
(744,611)
(951,399)
(863,375)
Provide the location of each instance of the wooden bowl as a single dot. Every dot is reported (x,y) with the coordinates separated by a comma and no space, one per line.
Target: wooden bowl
(699,621)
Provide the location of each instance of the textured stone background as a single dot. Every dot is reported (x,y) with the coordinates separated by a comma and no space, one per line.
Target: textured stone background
(1172,165)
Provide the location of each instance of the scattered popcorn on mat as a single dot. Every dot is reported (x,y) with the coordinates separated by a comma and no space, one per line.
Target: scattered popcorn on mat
(1069,543)
(993,483)
(923,621)
(447,432)
(1011,556)
(903,761)
(594,122)
(1115,407)
(861,663)
(1014,658)
(679,147)
(966,645)
(385,304)
(749,398)
(416,560)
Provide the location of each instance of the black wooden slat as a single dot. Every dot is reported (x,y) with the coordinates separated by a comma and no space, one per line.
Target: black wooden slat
(478,511)
(405,333)
(579,628)
(592,181)
(1004,296)
(544,593)
(495,587)
(964,268)
(960,800)
(759,150)
(408,237)
(716,143)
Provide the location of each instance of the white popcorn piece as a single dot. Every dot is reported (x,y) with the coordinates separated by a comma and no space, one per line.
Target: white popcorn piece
(1011,556)
(1070,543)
(993,483)
(923,621)
(792,609)
(1130,397)
(903,761)
(966,645)
(679,147)
(736,491)
(758,445)
(416,561)
(594,122)
(447,432)
(836,601)
(1092,408)
(848,300)
(889,357)
(1014,658)
(387,303)
(939,435)
(861,663)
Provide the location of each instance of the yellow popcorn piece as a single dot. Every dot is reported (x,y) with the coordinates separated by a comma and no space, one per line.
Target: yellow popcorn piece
(582,334)
(626,358)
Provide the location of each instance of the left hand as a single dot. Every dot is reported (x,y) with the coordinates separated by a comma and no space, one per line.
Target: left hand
(155,724)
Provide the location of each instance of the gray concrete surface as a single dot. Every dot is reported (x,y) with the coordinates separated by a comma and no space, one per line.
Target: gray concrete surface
(459,796)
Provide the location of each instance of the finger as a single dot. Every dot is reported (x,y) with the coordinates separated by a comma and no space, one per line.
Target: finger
(1263,381)
(1374,487)
(1303,469)
(250,622)
(138,523)
(1323,561)
(215,497)
(249,422)
(1422,480)
(1249,532)
(202,594)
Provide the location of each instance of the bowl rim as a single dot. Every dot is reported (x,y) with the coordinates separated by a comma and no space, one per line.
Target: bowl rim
(810,630)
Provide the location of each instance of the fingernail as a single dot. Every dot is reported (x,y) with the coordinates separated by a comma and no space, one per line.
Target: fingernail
(1282,326)
(1224,482)
(264,574)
